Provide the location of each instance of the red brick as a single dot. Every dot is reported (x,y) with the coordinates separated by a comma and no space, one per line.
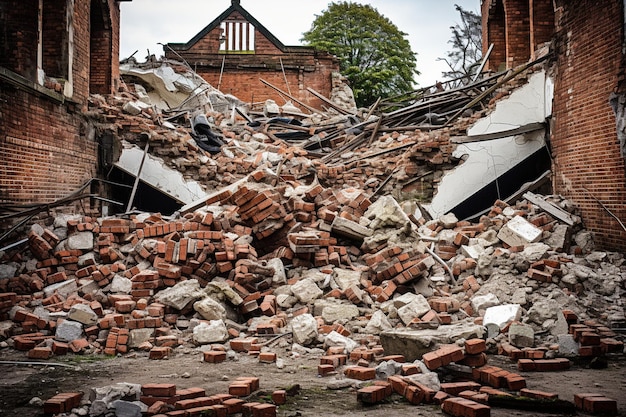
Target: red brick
(475,346)
(462,407)
(214,356)
(536,394)
(159,390)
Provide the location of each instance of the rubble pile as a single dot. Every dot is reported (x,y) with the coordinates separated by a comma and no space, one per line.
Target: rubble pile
(314,250)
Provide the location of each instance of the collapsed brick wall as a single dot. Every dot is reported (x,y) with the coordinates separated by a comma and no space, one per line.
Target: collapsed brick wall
(586,152)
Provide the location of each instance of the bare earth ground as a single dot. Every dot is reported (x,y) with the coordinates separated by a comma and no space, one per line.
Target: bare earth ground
(19,384)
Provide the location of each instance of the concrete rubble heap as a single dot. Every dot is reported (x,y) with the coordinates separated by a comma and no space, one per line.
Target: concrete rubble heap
(290,245)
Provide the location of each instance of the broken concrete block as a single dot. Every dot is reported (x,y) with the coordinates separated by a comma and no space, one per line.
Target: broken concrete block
(472,251)
(138,336)
(214,331)
(519,232)
(448,221)
(304,328)
(82,313)
(270,108)
(135,107)
(306,290)
(415,309)
(414,343)
(68,330)
(385,369)
(121,284)
(378,323)
(181,294)
(128,409)
(80,241)
(64,288)
(560,237)
(345,278)
(543,310)
(210,309)
(482,302)
(280,277)
(339,313)
(7,270)
(350,229)
(521,335)
(535,251)
(568,346)
(335,339)
(386,212)
(502,314)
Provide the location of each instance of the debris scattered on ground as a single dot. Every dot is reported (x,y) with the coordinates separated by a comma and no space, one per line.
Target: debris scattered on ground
(300,243)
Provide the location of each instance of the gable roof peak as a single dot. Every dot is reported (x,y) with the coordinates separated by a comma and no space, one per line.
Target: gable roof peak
(235,2)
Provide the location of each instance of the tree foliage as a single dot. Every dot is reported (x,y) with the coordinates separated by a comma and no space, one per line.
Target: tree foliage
(465,56)
(374,54)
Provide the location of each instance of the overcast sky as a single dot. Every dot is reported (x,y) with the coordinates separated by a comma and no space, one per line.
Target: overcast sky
(427,23)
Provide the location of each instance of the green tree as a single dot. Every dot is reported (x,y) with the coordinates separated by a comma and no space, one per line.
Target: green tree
(374,54)
(465,56)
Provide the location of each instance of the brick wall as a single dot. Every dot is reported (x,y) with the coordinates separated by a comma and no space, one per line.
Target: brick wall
(589,41)
(541,23)
(44,150)
(517,28)
(43,155)
(246,84)
(494,33)
(18,37)
(241,73)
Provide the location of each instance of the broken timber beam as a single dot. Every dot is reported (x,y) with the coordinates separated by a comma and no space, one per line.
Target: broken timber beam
(531,127)
(553,210)
(312,109)
(330,103)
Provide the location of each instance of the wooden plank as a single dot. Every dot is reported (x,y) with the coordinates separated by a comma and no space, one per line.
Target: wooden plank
(550,208)
(531,127)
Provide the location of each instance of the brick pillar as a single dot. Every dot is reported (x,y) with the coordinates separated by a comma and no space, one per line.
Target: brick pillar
(517,24)
(541,23)
(494,33)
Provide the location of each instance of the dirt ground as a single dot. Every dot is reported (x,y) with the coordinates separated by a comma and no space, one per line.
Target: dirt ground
(20,383)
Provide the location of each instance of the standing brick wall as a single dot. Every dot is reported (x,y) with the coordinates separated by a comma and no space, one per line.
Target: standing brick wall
(240,73)
(246,84)
(43,155)
(517,28)
(541,23)
(494,33)
(584,140)
(44,150)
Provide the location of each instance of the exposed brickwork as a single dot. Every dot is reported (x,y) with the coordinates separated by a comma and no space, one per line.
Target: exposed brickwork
(541,23)
(588,46)
(517,28)
(587,156)
(43,144)
(239,74)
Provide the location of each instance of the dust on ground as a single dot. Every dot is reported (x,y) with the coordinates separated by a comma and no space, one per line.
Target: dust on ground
(309,395)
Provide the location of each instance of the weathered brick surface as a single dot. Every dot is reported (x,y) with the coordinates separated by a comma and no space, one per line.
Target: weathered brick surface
(42,137)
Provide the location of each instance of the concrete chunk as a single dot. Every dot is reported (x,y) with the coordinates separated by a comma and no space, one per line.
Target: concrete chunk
(306,290)
(304,328)
(502,314)
(414,343)
(82,313)
(214,331)
(69,330)
(519,231)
